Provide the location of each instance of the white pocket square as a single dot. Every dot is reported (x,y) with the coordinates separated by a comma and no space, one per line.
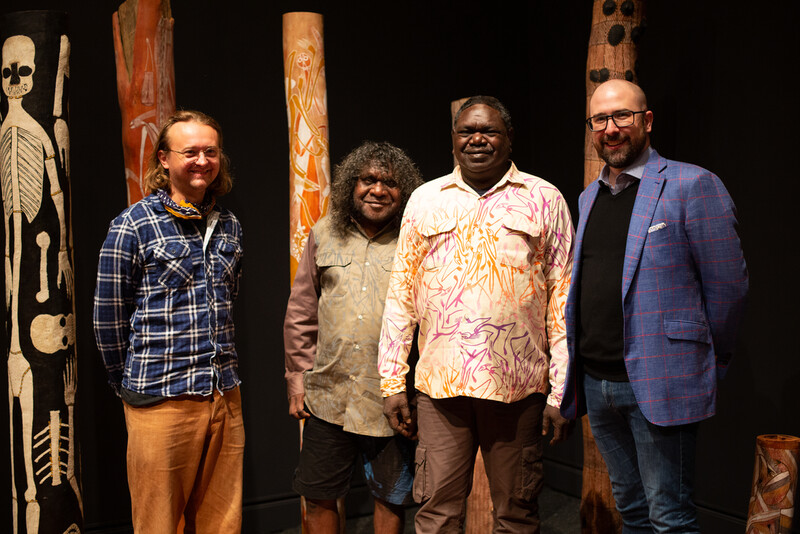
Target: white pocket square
(656,227)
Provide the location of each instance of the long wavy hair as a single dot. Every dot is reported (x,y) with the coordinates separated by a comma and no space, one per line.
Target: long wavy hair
(157,177)
(345,175)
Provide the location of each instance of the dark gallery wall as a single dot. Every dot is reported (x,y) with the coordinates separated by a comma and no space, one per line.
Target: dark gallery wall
(720,81)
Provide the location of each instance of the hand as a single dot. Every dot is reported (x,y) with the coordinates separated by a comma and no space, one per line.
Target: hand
(402,418)
(65,272)
(561,427)
(70,381)
(296,407)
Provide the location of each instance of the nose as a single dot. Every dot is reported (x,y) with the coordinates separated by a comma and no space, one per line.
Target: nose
(378,189)
(611,127)
(201,158)
(477,139)
(15,74)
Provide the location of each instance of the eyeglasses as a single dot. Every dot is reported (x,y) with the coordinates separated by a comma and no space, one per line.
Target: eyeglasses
(621,119)
(192,154)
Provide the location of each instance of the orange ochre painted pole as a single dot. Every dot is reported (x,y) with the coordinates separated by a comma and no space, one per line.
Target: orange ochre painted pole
(145,81)
(309,161)
(307,113)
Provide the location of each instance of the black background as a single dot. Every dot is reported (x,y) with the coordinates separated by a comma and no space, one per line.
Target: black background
(721,81)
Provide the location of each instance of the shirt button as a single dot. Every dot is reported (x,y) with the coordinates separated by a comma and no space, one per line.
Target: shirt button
(356,347)
(364,288)
(360,317)
(366,263)
(353,378)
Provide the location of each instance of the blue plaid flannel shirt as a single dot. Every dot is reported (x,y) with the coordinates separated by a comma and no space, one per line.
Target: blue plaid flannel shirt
(164,301)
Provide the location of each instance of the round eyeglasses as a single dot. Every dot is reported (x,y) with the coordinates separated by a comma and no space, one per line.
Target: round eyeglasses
(621,119)
(192,154)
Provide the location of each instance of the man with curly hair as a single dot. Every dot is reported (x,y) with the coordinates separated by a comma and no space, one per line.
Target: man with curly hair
(331,333)
(168,275)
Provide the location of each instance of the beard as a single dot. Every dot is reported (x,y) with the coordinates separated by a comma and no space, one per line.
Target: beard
(621,158)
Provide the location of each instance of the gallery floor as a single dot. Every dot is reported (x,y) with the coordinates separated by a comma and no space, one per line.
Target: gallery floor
(560,514)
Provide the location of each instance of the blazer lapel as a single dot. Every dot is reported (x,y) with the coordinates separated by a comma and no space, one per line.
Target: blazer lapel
(644,207)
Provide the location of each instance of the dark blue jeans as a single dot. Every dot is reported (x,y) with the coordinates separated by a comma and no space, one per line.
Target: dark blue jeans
(651,467)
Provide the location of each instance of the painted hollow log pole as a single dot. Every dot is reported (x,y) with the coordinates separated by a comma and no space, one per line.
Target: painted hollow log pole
(479,518)
(145,81)
(617,26)
(307,111)
(309,161)
(39,288)
(771,507)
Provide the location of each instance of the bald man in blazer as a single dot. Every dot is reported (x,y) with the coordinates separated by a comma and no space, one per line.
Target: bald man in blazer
(658,288)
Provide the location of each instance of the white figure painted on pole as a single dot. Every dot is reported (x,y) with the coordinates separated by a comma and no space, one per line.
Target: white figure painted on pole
(27,158)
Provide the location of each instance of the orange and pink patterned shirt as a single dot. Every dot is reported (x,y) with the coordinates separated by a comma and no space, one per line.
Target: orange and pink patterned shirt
(486,279)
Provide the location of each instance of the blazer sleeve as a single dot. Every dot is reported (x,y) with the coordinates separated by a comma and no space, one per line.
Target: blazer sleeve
(711,227)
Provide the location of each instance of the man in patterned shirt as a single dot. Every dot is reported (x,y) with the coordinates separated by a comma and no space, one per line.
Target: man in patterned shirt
(168,275)
(333,321)
(483,266)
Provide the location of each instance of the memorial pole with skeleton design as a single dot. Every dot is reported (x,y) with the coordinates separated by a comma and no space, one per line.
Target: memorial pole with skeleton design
(39,288)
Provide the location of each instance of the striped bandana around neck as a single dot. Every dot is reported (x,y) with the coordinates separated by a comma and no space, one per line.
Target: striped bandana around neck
(186,210)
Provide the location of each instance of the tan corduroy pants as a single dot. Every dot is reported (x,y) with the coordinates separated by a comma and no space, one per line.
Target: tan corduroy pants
(185,462)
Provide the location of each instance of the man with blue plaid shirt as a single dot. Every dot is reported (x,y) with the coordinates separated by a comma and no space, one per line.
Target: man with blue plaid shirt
(168,275)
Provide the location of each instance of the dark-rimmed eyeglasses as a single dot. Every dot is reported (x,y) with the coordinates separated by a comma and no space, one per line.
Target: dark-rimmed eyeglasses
(621,119)
(192,154)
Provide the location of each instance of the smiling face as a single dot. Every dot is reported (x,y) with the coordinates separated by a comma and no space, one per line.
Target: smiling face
(376,198)
(482,146)
(189,179)
(619,147)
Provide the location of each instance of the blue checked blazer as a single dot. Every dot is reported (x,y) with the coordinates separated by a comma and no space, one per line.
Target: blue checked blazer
(684,284)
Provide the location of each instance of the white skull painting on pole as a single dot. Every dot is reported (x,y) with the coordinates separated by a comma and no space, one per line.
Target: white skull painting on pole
(34,165)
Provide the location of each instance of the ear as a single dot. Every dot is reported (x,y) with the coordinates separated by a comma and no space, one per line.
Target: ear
(511,135)
(648,121)
(162,158)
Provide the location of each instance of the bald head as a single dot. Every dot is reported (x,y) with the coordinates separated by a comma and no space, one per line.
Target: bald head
(619,89)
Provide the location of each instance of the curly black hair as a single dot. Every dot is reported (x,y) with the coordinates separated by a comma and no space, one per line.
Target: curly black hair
(345,175)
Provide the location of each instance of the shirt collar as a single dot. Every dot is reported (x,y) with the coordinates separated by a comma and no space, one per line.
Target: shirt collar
(360,229)
(512,176)
(629,174)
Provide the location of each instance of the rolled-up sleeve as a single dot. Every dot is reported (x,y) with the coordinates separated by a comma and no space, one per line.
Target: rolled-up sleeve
(301,325)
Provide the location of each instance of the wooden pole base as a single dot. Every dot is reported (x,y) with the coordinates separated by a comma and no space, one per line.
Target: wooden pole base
(771,507)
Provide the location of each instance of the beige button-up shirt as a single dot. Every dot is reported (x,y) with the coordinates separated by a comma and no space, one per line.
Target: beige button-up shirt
(486,279)
(333,323)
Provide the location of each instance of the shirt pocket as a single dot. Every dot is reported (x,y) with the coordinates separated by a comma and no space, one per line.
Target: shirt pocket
(518,238)
(442,241)
(333,268)
(173,263)
(228,256)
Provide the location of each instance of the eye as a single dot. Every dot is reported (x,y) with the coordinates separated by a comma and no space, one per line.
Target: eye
(25,71)
(599,120)
(6,73)
(190,153)
(390,184)
(623,115)
(211,152)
